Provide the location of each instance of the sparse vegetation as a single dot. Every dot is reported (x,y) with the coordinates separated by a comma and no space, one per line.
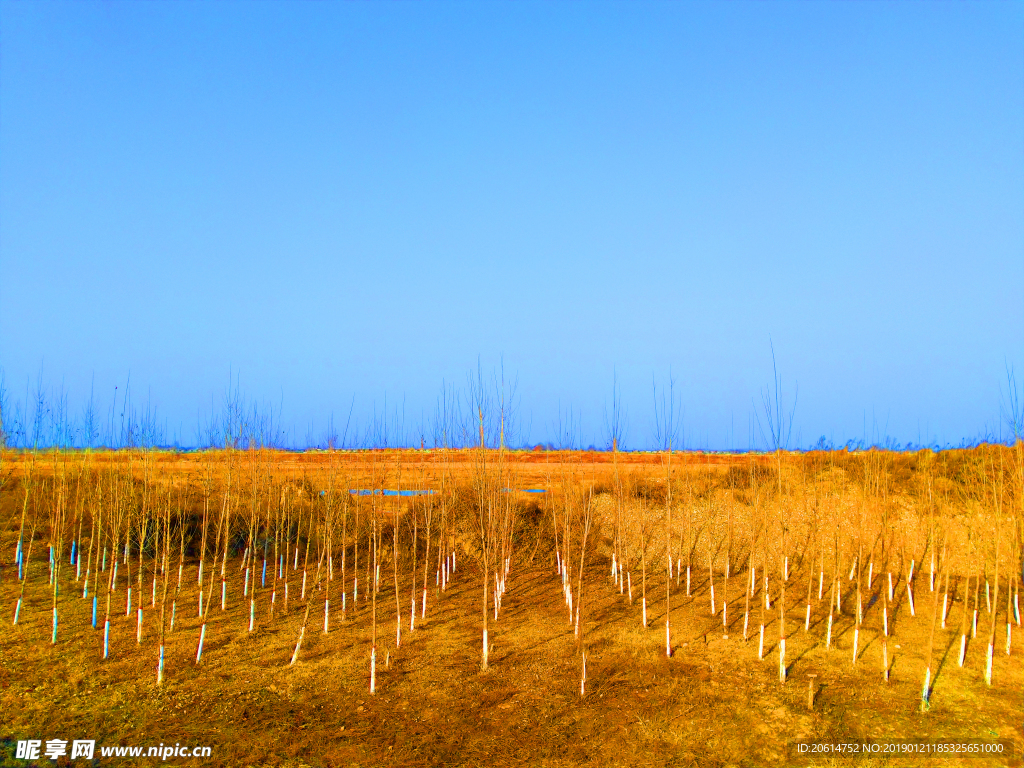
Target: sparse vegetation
(244,522)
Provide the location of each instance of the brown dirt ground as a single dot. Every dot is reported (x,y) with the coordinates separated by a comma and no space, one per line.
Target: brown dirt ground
(712,704)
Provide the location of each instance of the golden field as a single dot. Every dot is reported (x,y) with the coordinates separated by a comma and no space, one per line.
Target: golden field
(576,549)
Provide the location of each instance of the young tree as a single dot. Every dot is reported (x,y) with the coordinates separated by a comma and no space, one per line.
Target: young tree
(615,423)
(779,425)
(667,424)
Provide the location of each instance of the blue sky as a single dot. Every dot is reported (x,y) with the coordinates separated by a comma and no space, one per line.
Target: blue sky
(337,203)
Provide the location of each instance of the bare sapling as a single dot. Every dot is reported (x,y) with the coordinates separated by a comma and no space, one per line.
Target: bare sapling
(305,559)
(668,552)
(428,514)
(157,543)
(780,425)
(748,588)
(992,627)
(372,586)
(751,567)
(967,602)
(568,494)
(88,558)
(689,536)
(782,591)
(1008,614)
(978,567)
(1017,577)
(860,603)
(931,535)
(643,560)
(127,560)
(229,502)
(223,532)
(617,534)
(885,626)
(77,522)
(252,542)
(286,546)
(322,553)
(926,690)
(181,560)
(328,546)
(910,589)
(278,554)
(413,512)
(587,517)
(355,555)
(810,569)
(728,573)
(26,557)
(711,564)
(248,566)
(764,570)
(667,425)
(265,551)
(821,556)
(444,543)
(394,552)
(143,531)
(207,491)
(58,521)
(19,553)
(944,566)
(163,600)
(616,426)
(346,498)
(118,515)
(782,627)
(832,598)
(554,518)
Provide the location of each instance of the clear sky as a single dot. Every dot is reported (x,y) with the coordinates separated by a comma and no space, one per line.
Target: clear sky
(341,202)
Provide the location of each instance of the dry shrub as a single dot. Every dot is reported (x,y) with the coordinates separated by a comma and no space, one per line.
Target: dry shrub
(744,478)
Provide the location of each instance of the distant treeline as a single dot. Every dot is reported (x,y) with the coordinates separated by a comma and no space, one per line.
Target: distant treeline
(44,418)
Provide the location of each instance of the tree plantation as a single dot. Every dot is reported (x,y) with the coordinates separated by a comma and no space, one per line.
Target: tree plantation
(437,606)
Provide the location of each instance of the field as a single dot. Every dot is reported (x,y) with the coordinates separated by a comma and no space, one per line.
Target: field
(559,559)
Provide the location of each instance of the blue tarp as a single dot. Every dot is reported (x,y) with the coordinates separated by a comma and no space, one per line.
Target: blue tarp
(393,492)
(388,492)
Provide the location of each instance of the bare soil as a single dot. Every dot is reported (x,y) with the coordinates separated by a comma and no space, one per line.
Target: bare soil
(712,704)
